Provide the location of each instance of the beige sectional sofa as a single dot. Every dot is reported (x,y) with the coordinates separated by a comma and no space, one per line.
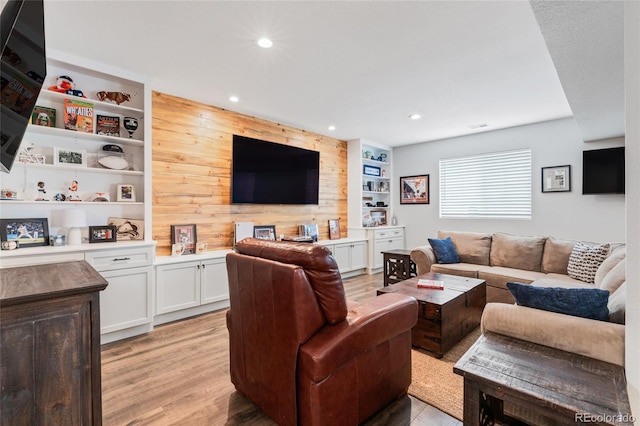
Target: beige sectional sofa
(499,258)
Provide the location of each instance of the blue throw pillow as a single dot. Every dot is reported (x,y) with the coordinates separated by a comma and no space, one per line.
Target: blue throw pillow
(444,250)
(580,302)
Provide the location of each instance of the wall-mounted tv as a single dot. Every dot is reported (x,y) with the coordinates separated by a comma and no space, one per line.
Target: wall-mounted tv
(271,173)
(24,67)
(603,171)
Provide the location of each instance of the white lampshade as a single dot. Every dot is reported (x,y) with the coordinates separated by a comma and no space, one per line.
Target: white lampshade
(74,219)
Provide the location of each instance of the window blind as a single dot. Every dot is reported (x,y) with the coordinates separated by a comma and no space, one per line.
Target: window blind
(496,185)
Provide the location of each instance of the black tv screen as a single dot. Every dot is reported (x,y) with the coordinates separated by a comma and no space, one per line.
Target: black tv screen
(603,171)
(272,173)
(23,69)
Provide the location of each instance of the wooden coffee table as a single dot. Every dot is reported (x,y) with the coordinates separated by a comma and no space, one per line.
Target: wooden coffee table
(444,316)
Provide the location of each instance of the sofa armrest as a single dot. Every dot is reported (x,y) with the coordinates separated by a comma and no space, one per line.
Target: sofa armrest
(368,324)
(423,257)
(595,339)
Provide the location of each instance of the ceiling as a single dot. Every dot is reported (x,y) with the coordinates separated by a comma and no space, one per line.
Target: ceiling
(363,66)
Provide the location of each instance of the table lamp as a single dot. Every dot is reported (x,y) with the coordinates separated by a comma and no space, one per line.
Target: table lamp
(74,219)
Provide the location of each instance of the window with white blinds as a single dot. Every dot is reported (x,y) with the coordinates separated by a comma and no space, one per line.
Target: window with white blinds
(496,185)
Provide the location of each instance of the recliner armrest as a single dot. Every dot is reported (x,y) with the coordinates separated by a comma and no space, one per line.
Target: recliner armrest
(368,324)
(423,257)
(596,339)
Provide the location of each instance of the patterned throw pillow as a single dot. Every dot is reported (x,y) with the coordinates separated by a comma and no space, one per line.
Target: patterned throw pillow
(585,261)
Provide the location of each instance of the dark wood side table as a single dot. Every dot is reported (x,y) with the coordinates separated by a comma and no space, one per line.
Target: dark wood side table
(50,340)
(508,381)
(398,266)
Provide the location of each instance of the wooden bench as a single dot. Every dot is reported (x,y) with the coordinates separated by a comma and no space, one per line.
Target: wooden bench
(514,382)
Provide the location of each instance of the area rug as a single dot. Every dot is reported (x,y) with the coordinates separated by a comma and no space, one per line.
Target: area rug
(433,380)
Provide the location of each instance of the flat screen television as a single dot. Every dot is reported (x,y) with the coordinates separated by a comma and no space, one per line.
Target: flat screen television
(272,173)
(603,171)
(23,69)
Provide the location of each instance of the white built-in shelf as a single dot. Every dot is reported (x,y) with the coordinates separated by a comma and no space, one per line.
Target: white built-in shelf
(69,203)
(55,131)
(97,105)
(80,169)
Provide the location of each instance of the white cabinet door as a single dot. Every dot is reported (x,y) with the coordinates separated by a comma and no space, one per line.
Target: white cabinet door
(359,255)
(213,280)
(126,302)
(177,287)
(341,253)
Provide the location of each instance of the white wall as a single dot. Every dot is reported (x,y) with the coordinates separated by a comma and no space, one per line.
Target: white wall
(632,105)
(568,215)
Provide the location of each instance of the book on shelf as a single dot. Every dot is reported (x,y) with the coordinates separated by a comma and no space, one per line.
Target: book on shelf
(78,115)
(431,284)
(43,116)
(107,125)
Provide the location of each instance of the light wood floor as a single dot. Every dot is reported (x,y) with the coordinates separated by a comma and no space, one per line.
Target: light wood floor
(178,374)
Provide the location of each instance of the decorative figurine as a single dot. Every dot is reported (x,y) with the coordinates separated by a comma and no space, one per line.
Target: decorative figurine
(64,84)
(41,192)
(73,192)
(117,97)
(131,124)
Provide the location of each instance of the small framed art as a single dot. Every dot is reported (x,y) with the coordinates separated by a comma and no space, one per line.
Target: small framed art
(556,179)
(28,232)
(265,232)
(414,189)
(69,157)
(185,234)
(102,234)
(371,170)
(126,193)
(334,229)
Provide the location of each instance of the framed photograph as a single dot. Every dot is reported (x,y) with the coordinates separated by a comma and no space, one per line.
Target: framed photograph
(371,170)
(127,229)
(334,229)
(69,157)
(126,193)
(265,232)
(414,189)
(556,179)
(185,234)
(28,232)
(378,217)
(102,234)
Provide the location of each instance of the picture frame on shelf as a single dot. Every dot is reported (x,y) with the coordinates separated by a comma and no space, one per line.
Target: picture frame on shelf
(371,170)
(125,193)
(334,229)
(556,179)
(379,217)
(127,229)
(309,230)
(102,234)
(28,232)
(265,232)
(69,157)
(185,234)
(414,189)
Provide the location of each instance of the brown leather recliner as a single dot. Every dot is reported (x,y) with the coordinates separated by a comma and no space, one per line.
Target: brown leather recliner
(298,351)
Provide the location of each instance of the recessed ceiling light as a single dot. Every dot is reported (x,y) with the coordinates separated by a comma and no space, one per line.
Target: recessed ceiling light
(265,42)
(234,98)
(415,116)
(332,127)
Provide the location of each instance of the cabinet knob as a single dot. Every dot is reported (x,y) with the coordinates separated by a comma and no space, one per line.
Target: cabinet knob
(121,259)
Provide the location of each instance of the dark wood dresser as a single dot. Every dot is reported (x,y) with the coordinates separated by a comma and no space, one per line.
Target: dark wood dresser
(50,344)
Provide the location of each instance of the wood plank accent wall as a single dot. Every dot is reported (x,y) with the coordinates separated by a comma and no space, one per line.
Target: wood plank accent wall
(191,174)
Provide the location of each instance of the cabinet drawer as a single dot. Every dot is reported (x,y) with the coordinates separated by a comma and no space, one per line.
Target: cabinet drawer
(388,233)
(109,260)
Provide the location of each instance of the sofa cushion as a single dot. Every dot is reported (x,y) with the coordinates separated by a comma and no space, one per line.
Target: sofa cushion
(444,250)
(472,247)
(615,277)
(517,252)
(561,280)
(555,257)
(617,304)
(581,302)
(585,261)
(608,264)
(498,276)
(469,270)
